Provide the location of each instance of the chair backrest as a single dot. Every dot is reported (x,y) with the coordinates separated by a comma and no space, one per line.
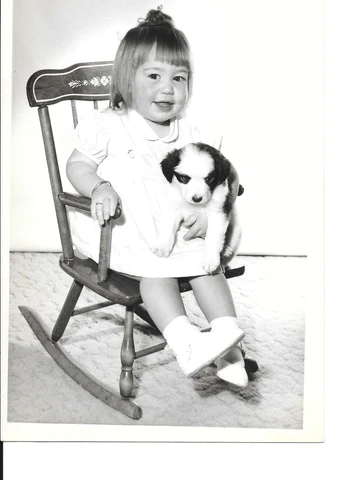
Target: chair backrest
(88,81)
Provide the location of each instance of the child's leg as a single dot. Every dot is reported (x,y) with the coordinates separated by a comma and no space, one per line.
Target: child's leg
(162,299)
(214,297)
(193,349)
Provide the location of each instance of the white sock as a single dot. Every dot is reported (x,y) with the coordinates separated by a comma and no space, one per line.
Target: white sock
(177,325)
(222,324)
(179,332)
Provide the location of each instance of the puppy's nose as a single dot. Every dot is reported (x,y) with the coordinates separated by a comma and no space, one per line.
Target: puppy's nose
(196,199)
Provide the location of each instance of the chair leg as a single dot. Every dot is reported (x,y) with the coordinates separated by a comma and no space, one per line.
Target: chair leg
(127,355)
(66,311)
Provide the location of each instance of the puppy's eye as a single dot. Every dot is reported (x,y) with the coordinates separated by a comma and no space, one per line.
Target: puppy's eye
(210,179)
(182,178)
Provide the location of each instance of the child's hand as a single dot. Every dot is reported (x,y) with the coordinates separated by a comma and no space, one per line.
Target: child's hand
(104,202)
(197,227)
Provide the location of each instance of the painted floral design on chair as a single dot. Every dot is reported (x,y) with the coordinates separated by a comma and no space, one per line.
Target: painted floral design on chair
(95,81)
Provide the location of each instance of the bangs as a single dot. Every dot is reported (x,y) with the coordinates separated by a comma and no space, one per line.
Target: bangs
(171,47)
(175,51)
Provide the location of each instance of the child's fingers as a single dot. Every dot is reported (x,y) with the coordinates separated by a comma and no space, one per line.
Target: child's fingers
(198,228)
(106,210)
(113,206)
(190,220)
(193,232)
(94,211)
(97,211)
(100,213)
(228,252)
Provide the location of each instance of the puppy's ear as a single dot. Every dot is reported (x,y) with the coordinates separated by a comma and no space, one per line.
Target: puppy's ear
(169,163)
(222,166)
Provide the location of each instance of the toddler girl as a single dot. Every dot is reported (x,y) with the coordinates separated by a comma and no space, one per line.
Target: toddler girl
(117,159)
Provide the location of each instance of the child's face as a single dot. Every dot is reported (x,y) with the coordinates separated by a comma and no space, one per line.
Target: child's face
(160,90)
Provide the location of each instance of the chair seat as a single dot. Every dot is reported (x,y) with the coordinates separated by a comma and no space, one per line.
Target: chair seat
(117,288)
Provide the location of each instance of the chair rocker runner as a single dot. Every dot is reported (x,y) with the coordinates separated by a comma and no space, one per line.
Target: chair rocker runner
(89,82)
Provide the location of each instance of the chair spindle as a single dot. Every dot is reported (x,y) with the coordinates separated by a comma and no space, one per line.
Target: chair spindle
(55,180)
(74,113)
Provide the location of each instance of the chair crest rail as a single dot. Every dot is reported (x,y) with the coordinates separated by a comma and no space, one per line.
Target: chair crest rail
(81,81)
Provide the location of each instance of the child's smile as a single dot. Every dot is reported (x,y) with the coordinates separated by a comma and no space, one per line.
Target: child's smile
(165,106)
(160,92)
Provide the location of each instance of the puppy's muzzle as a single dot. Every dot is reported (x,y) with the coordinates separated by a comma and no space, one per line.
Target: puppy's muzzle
(196,199)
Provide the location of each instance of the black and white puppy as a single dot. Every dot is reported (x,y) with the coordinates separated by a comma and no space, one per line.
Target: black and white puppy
(197,174)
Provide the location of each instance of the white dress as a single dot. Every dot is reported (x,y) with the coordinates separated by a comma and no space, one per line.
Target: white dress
(128,154)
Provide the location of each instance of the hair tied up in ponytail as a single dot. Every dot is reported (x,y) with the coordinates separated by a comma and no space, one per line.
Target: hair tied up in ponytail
(156,18)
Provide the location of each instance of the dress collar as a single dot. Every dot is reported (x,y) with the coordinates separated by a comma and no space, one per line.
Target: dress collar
(145,131)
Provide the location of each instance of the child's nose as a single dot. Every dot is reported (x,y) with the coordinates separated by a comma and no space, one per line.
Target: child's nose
(168,88)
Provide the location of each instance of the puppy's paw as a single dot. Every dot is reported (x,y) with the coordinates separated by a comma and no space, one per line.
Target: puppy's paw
(160,252)
(162,249)
(211,263)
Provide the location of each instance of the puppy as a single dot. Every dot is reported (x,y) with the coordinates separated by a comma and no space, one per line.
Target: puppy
(198,174)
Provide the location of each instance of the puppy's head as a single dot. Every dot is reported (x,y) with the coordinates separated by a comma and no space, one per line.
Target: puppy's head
(196,170)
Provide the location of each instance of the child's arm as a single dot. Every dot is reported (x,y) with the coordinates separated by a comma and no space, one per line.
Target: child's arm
(81,172)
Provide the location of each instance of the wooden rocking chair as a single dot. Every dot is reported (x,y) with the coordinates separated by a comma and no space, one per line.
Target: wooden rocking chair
(89,82)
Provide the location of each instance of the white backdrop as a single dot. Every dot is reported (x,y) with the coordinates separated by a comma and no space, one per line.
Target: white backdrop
(258,77)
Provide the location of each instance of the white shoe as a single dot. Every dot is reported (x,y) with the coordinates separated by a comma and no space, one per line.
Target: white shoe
(231,368)
(204,348)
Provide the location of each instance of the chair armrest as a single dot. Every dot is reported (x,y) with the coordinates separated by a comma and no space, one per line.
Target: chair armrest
(84,203)
(77,201)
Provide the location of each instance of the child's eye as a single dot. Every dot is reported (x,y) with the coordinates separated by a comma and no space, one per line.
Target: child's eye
(182,178)
(180,78)
(154,76)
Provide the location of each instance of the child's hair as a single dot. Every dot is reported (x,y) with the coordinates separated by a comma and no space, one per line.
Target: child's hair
(171,47)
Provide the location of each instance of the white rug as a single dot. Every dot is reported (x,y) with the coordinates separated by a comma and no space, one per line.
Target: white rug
(270,303)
